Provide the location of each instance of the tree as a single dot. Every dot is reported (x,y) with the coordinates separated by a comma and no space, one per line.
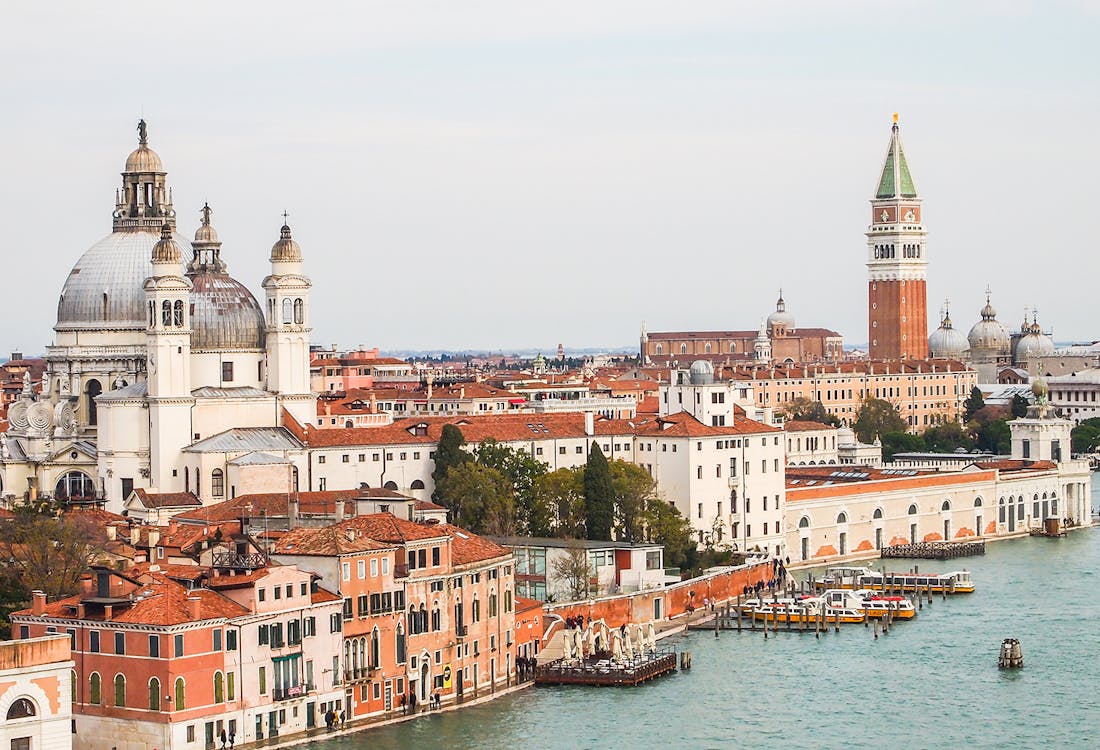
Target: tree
(947,438)
(875,418)
(804,410)
(973,403)
(901,442)
(665,526)
(480,499)
(1085,437)
(599,495)
(634,491)
(558,497)
(522,471)
(50,554)
(448,453)
(994,436)
(574,570)
(1019,406)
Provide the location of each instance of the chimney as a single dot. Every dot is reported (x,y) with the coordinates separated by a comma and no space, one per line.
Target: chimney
(292,520)
(38,603)
(339,511)
(193,608)
(112,533)
(154,538)
(350,533)
(135,534)
(589,424)
(16,355)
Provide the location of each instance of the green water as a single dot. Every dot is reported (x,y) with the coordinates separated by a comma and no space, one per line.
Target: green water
(932,682)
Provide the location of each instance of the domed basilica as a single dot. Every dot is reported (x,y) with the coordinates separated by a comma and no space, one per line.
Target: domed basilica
(161,359)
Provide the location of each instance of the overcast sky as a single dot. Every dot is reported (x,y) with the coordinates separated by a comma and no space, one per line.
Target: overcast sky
(504,174)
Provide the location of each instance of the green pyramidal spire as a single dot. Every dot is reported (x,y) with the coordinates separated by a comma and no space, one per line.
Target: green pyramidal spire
(896,181)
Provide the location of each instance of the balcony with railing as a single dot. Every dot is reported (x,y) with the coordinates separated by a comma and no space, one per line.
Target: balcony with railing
(359,673)
(400,570)
(461,631)
(236,561)
(293,691)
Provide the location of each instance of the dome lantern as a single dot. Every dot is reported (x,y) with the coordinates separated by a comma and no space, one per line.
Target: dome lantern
(286,250)
(145,200)
(167,251)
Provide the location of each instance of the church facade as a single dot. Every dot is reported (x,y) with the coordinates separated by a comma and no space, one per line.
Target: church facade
(156,349)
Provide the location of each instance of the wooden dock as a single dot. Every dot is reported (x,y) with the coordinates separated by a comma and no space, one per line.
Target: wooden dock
(608,673)
(936,550)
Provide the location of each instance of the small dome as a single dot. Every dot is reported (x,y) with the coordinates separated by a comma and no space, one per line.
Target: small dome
(143,159)
(781,317)
(167,250)
(702,372)
(206,232)
(988,334)
(1033,345)
(946,342)
(286,249)
(224,314)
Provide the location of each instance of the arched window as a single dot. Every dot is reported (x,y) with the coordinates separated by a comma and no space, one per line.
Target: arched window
(660,349)
(877,513)
(375,649)
(73,682)
(299,311)
(288,308)
(217,483)
(93,388)
(913,509)
(416,485)
(842,517)
(120,690)
(977,502)
(21,708)
(166,313)
(391,485)
(508,600)
(219,688)
(946,505)
(349,424)
(177,313)
(683,348)
(706,348)
(95,689)
(423,618)
(804,522)
(294,477)
(74,485)
(154,694)
(402,657)
(180,694)
(492,605)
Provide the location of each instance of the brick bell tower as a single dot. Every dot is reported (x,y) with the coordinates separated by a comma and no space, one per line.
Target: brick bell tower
(897,267)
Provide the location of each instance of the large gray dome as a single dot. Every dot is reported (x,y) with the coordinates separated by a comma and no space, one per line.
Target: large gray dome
(224,314)
(105,288)
(947,342)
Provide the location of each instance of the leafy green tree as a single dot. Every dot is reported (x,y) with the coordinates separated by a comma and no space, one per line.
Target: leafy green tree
(599,495)
(665,526)
(522,471)
(634,491)
(481,499)
(947,437)
(875,418)
(901,442)
(805,410)
(448,454)
(995,437)
(559,498)
(1019,406)
(973,403)
(1086,436)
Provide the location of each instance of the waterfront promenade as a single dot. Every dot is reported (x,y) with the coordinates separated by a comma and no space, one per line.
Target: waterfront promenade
(931,682)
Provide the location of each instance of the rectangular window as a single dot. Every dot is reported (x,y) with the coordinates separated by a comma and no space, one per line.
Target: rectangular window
(231,640)
(422,558)
(231,686)
(362,605)
(154,646)
(278,592)
(217,639)
(374,567)
(435,557)
(345,458)
(93,641)
(361,569)
(347,609)
(345,571)
(262,635)
(120,643)
(227,372)
(320,459)
(177,645)
(263,594)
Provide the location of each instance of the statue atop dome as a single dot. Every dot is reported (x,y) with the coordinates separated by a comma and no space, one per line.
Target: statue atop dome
(143,135)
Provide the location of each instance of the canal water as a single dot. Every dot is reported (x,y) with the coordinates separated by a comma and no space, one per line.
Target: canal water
(932,682)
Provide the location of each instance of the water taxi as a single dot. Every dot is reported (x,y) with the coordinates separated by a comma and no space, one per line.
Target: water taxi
(872,603)
(806,609)
(955,582)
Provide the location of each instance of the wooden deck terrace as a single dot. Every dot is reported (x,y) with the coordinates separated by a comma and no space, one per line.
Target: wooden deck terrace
(606,672)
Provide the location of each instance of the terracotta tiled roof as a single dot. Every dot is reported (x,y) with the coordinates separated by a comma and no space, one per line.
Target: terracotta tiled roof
(160,601)
(427,505)
(523,604)
(236,580)
(271,503)
(338,539)
(467,547)
(799,332)
(321,596)
(175,571)
(799,425)
(166,499)
(1007,464)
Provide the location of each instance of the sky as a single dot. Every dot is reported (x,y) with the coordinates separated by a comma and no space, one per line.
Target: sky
(497,175)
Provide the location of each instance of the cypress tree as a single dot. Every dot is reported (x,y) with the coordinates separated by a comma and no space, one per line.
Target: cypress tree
(599,495)
(448,453)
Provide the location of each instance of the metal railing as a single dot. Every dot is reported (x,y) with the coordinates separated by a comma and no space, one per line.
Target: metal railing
(294,691)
